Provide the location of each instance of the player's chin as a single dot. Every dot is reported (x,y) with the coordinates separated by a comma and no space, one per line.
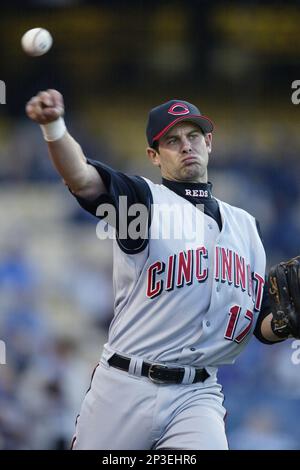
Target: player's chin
(191,172)
(191,166)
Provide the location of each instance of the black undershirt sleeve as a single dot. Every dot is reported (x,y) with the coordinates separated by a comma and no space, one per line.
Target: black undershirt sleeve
(122,192)
(264,312)
(265,306)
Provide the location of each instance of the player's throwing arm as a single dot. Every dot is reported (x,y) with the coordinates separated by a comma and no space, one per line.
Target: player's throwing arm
(47,109)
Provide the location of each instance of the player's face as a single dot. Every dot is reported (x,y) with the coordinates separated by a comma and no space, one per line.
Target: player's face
(183,153)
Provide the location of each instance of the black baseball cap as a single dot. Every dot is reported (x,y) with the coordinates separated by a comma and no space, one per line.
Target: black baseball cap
(166,115)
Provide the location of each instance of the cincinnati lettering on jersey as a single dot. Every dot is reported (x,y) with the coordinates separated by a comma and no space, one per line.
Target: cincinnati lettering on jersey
(190,266)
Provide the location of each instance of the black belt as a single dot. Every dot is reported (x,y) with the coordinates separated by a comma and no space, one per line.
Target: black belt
(158,373)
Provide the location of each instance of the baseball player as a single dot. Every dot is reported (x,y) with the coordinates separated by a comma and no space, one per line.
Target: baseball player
(184,305)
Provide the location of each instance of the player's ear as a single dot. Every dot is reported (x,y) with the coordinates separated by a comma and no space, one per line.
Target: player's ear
(153,155)
(208,141)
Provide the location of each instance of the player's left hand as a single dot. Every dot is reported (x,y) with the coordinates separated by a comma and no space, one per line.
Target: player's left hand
(284,291)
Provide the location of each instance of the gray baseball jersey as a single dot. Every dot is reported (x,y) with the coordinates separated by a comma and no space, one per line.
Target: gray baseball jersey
(188,295)
(192,301)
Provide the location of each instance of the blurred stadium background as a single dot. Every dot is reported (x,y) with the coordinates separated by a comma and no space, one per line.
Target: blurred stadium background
(113,61)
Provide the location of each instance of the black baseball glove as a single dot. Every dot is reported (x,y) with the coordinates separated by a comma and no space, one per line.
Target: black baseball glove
(284,292)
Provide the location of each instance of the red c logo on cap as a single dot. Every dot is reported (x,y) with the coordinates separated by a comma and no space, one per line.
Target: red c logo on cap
(181,109)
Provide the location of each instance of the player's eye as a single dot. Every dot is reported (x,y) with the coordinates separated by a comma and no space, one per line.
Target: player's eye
(172,141)
(194,136)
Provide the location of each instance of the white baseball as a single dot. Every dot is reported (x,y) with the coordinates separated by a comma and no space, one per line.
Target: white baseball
(36,41)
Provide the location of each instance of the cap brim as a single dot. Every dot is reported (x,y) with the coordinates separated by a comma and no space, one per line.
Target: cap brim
(203,122)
